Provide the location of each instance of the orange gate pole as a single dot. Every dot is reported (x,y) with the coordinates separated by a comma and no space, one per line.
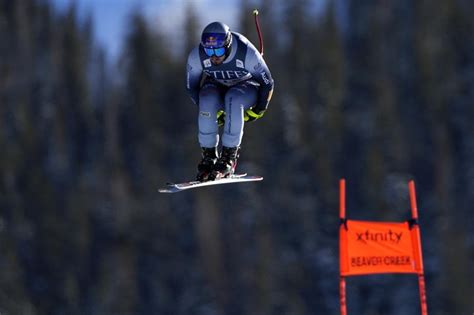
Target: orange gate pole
(342,217)
(417,249)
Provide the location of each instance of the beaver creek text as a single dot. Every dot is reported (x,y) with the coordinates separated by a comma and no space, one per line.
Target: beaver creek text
(362,261)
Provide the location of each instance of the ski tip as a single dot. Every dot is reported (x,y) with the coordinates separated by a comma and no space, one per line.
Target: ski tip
(169,189)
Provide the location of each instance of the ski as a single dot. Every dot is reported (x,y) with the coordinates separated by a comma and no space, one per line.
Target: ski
(236,178)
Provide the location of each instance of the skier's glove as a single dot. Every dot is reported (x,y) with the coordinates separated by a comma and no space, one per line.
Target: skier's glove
(220,118)
(253,114)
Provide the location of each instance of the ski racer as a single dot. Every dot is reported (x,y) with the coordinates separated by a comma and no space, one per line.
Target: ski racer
(230,83)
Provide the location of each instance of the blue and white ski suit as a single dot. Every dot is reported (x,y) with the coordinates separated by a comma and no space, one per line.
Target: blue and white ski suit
(240,82)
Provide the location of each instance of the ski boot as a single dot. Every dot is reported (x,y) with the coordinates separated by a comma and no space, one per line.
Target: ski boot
(206,166)
(225,165)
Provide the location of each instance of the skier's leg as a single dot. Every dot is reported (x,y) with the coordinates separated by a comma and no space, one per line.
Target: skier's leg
(210,101)
(237,99)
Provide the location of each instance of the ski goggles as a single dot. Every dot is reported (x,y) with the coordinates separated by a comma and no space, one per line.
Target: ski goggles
(218,52)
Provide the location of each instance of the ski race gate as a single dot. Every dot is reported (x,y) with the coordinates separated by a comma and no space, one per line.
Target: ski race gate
(367,247)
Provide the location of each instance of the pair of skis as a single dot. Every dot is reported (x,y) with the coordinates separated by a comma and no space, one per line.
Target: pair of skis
(235,178)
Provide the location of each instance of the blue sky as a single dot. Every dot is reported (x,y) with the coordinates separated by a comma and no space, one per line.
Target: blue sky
(111,16)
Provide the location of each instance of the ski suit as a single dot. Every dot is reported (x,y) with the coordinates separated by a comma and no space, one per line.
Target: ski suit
(242,81)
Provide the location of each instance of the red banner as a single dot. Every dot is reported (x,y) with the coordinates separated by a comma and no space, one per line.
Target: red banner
(377,247)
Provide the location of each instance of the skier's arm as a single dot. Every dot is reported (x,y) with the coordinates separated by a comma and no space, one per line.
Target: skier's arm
(261,73)
(193,75)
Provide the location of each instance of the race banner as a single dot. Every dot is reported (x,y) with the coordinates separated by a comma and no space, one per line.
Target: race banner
(377,247)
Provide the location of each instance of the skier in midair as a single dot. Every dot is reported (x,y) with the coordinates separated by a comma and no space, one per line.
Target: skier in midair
(230,83)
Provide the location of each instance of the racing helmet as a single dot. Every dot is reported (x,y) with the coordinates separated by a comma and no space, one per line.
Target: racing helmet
(216,39)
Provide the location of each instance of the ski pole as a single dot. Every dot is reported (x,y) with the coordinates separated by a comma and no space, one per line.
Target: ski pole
(260,38)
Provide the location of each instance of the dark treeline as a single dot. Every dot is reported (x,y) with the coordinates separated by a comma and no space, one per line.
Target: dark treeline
(378,92)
